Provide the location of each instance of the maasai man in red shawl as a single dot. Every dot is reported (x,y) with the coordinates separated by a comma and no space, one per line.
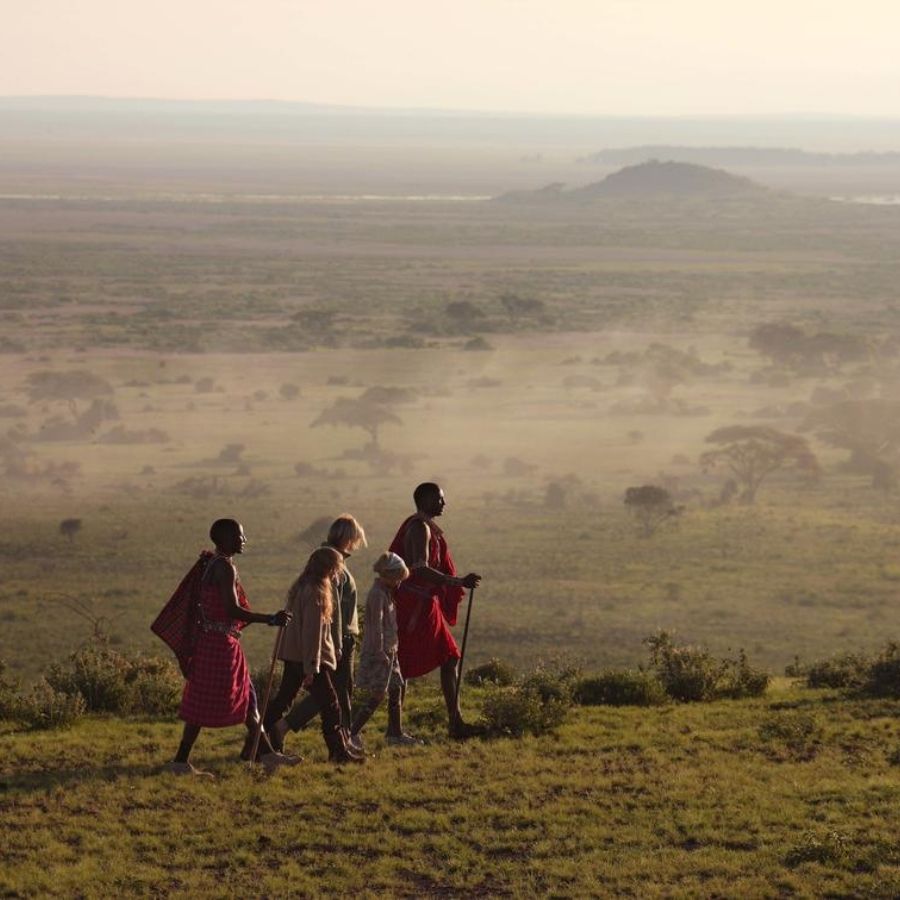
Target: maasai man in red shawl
(218,691)
(427,602)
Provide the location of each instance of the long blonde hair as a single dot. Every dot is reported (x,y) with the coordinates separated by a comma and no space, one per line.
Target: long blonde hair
(323,564)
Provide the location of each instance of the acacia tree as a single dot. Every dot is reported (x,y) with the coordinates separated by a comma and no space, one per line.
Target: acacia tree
(359,412)
(650,505)
(69,528)
(753,452)
(869,429)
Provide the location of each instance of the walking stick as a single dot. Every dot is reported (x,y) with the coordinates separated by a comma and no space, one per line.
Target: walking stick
(462,653)
(265,703)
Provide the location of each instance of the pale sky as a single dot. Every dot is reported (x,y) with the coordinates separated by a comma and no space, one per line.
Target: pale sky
(621,57)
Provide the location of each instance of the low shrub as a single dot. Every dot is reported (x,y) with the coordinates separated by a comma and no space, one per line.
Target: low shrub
(832,848)
(110,681)
(868,676)
(535,703)
(686,673)
(883,676)
(10,701)
(624,687)
(156,686)
(692,674)
(45,707)
(494,671)
(740,679)
(511,711)
(97,673)
(844,671)
(794,736)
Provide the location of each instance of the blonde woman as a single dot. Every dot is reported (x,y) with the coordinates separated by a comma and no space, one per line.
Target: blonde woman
(346,536)
(308,652)
(379,669)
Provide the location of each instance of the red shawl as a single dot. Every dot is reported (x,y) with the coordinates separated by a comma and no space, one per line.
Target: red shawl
(424,610)
(177,623)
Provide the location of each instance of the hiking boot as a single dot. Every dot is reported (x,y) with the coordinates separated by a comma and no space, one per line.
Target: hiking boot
(185,768)
(340,752)
(404,740)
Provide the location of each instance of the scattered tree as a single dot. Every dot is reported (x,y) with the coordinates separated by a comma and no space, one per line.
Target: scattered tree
(516,307)
(869,429)
(787,345)
(650,505)
(69,528)
(231,453)
(369,415)
(753,452)
(464,312)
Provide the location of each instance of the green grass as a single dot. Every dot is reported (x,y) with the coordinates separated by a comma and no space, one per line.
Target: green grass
(711,799)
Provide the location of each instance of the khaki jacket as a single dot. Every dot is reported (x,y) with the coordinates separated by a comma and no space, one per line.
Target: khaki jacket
(307,637)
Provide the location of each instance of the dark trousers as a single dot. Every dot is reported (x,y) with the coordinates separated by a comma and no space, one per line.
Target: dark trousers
(321,693)
(305,710)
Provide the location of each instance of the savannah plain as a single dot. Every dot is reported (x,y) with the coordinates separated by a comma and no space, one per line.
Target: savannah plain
(291,332)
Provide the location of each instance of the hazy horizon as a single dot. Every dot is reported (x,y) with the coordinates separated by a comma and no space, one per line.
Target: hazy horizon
(630,57)
(305,104)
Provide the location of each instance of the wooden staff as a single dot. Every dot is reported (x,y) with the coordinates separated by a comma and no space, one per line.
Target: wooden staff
(265,703)
(462,653)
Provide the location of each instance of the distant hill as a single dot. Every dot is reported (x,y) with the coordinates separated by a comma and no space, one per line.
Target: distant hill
(737,156)
(649,179)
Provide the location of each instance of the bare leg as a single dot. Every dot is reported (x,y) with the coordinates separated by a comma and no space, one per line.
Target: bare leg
(448,685)
(188,736)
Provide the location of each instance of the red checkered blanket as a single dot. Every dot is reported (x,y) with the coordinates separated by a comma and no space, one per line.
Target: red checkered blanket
(177,623)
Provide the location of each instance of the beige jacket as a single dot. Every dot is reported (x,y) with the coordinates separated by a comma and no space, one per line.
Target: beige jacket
(307,637)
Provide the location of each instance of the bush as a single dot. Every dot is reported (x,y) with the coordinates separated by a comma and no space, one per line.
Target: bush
(109,681)
(742,680)
(10,700)
(156,686)
(494,671)
(46,707)
(535,703)
(99,674)
(621,688)
(883,677)
(686,673)
(870,676)
(845,671)
(693,674)
(511,711)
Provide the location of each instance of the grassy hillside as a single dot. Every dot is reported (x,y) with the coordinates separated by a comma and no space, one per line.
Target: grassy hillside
(794,794)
